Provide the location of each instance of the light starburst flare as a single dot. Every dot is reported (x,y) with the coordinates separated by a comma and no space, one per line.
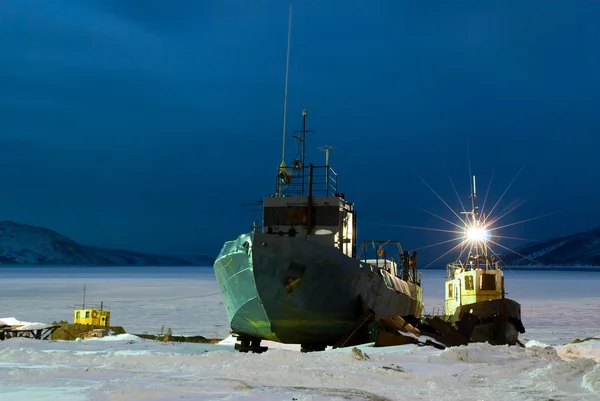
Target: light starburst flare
(477,233)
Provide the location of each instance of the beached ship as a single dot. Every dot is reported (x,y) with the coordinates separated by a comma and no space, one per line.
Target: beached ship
(298,278)
(475,298)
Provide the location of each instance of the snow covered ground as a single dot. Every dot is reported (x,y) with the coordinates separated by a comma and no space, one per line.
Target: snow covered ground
(129,368)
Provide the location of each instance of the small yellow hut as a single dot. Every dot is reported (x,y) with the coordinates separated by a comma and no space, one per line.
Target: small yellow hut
(95,315)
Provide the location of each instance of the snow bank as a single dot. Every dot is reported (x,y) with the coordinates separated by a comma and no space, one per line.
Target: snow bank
(22,325)
(125,367)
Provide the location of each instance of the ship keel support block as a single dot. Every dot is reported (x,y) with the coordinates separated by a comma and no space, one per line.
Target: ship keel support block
(250,344)
(312,347)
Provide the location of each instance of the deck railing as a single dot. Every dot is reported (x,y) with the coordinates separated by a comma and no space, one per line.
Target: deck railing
(87,306)
(324,182)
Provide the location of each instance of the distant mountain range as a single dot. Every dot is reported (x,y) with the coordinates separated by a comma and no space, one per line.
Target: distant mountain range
(581,249)
(22,244)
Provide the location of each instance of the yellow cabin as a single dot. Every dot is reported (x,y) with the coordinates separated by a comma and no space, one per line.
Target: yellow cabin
(93,316)
(471,286)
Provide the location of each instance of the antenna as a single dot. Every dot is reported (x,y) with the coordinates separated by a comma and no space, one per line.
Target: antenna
(83,304)
(285,94)
(326,149)
(473,196)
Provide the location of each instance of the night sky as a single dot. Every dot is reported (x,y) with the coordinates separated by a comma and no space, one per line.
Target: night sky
(146,125)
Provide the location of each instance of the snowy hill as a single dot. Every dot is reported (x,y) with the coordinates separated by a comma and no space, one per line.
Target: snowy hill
(581,249)
(22,244)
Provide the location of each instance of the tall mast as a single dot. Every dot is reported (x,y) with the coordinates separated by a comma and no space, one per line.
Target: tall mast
(303,156)
(480,248)
(285,95)
(473,196)
(476,222)
(473,222)
(471,216)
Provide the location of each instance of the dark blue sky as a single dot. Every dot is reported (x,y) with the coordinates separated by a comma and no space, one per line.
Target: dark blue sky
(145,124)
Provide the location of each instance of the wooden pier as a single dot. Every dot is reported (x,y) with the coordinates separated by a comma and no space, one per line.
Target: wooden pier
(42,333)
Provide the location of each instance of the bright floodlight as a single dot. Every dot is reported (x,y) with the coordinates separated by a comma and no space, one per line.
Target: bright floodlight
(478,234)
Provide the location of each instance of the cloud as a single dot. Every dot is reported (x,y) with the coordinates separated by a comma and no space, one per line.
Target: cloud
(71,24)
(160,16)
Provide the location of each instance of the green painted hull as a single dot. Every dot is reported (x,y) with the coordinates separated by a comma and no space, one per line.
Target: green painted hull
(235,274)
(296,291)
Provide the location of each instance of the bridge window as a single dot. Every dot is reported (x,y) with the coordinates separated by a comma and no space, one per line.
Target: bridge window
(488,282)
(469,283)
(450,292)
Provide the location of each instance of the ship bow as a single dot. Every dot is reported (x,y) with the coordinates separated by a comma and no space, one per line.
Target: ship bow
(234,270)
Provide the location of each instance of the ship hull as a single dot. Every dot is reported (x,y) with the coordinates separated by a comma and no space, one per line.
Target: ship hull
(496,321)
(295,291)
